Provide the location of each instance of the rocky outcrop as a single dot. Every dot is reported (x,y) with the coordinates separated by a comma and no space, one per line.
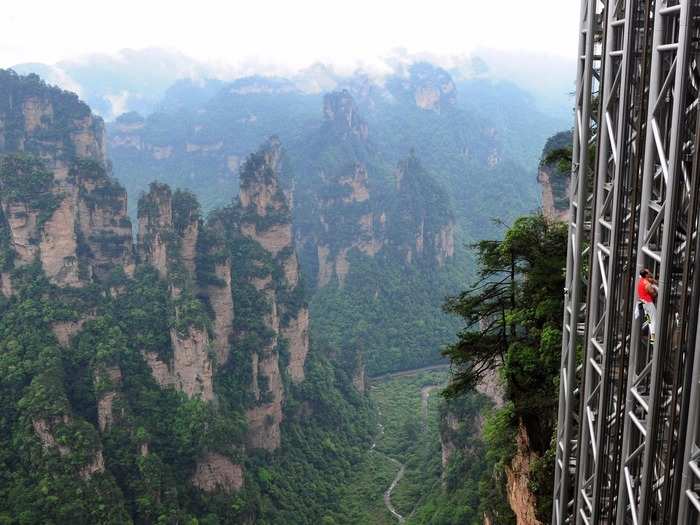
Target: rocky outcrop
(554,178)
(190,369)
(429,87)
(60,207)
(169,229)
(359,376)
(554,197)
(341,113)
(265,418)
(65,330)
(421,225)
(45,430)
(191,366)
(108,382)
(159,369)
(156,227)
(296,332)
(451,424)
(490,386)
(456,426)
(265,219)
(69,213)
(343,205)
(6,284)
(521,499)
(222,305)
(217,473)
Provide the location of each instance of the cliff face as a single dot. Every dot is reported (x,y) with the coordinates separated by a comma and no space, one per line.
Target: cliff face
(553,180)
(345,206)
(341,114)
(167,239)
(521,499)
(429,87)
(60,204)
(266,228)
(420,226)
(453,422)
(170,308)
(246,251)
(345,216)
(554,197)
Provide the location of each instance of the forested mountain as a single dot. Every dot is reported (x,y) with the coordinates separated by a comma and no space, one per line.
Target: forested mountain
(389,181)
(173,381)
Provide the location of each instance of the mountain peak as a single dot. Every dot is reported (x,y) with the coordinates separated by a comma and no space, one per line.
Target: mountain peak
(430,87)
(340,110)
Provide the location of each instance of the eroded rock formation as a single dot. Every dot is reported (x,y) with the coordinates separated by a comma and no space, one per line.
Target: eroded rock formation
(217,473)
(60,207)
(421,226)
(59,202)
(521,499)
(266,222)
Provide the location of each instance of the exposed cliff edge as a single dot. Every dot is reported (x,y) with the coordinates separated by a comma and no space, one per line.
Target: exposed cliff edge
(266,229)
(429,87)
(522,500)
(212,311)
(58,201)
(554,178)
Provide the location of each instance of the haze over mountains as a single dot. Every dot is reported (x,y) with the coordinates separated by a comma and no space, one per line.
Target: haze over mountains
(136,79)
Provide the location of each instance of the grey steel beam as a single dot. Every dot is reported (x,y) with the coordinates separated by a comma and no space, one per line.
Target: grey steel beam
(628,439)
(619,151)
(686,488)
(651,400)
(585,136)
(689,505)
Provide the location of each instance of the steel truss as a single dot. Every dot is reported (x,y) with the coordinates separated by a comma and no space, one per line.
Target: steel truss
(628,440)
(586,127)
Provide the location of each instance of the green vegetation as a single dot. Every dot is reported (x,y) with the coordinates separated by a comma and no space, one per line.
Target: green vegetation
(513,319)
(53,133)
(24,179)
(325,434)
(390,312)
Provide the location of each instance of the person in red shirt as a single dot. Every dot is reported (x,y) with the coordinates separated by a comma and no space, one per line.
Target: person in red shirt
(647,290)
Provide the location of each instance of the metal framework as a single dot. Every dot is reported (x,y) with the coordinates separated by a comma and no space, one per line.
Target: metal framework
(628,439)
(586,128)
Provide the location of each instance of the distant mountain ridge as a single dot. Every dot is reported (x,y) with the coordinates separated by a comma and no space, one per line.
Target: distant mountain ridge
(136,80)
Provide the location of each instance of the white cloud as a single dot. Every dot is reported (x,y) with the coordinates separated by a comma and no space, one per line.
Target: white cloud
(119,103)
(283,33)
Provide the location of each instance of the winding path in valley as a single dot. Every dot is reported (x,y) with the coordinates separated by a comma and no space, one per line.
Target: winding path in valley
(424,395)
(387,494)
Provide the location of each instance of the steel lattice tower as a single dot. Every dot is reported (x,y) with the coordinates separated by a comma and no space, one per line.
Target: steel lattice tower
(628,439)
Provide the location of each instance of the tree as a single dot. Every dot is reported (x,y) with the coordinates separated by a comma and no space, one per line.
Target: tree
(518,295)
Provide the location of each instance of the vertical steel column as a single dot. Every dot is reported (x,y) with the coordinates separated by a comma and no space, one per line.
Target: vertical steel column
(650,401)
(621,130)
(689,507)
(585,128)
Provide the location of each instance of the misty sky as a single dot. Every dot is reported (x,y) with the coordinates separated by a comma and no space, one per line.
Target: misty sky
(294,33)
